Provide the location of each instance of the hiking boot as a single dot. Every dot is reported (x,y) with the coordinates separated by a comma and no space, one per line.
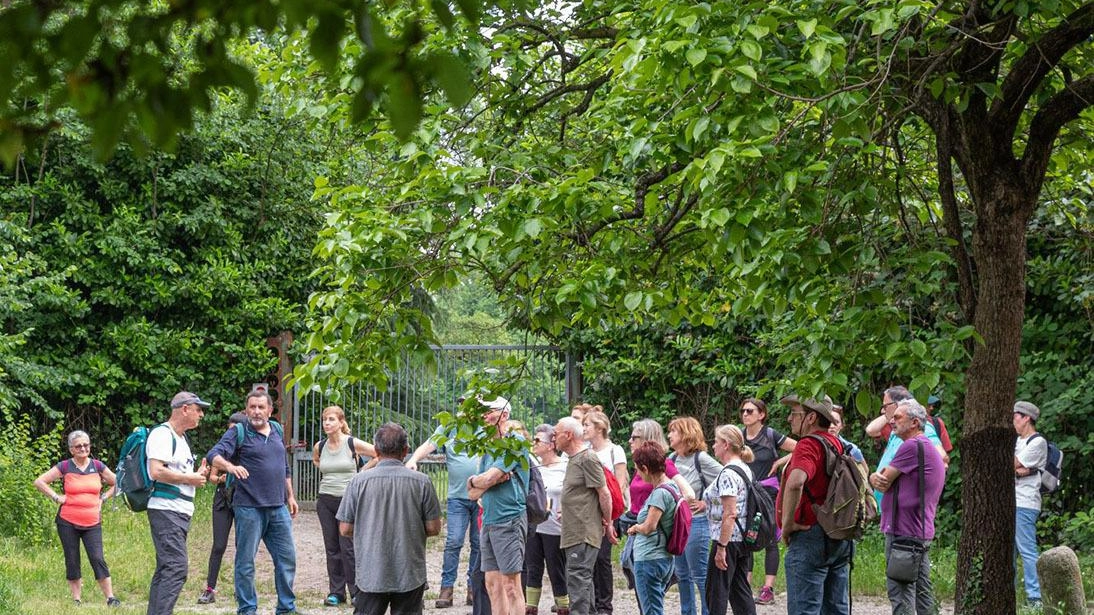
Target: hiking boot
(767,595)
(469,601)
(208,596)
(333,600)
(531,610)
(112,601)
(445,599)
(561,610)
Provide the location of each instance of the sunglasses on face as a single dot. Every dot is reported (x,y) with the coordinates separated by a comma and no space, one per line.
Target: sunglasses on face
(749,410)
(81,446)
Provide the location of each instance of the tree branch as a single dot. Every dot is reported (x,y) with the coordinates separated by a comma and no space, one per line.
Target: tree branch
(1058,110)
(951,218)
(1040,58)
(641,188)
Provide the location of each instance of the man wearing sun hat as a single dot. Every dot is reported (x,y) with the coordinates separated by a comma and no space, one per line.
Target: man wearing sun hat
(1030,456)
(171,466)
(817,567)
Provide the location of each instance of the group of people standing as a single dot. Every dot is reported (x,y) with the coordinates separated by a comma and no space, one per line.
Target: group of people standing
(362,514)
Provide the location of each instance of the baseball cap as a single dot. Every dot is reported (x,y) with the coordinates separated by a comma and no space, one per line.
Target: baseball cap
(185,397)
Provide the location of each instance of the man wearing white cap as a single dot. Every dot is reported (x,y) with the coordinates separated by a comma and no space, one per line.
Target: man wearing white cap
(1030,455)
(502,488)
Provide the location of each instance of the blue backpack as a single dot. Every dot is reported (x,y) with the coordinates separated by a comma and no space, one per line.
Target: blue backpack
(134,483)
(1054,466)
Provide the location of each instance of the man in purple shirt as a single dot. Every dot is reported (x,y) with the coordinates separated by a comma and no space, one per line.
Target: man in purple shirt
(911,484)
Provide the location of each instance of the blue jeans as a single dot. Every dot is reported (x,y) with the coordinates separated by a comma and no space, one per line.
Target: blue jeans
(273,526)
(651,580)
(817,572)
(1025,544)
(691,567)
(461,519)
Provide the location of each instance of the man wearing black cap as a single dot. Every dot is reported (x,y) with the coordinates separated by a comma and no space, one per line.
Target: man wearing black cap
(171,466)
(1030,456)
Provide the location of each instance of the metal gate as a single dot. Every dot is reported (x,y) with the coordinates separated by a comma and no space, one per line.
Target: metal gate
(416,394)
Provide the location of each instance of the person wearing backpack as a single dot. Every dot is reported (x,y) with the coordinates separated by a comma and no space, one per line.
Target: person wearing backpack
(768,446)
(171,466)
(1030,456)
(726,504)
(817,566)
(653,564)
(543,550)
(913,483)
(263,502)
(79,516)
(337,456)
(223,519)
(698,469)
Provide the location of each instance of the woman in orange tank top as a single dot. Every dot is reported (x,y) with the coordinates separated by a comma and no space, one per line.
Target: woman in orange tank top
(79,517)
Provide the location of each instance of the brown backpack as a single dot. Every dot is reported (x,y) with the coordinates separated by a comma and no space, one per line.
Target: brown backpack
(849,505)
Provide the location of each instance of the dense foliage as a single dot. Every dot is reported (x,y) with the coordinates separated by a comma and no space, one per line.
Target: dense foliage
(169,271)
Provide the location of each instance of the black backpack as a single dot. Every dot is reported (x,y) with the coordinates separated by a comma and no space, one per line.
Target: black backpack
(357,459)
(538,510)
(758,532)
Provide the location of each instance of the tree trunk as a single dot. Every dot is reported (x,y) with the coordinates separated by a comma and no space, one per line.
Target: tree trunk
(985,572)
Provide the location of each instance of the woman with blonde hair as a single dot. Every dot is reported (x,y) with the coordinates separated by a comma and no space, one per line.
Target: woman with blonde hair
(766,444)
(726,499)
(597,428)
(337,456)
(580,410)
(699,470)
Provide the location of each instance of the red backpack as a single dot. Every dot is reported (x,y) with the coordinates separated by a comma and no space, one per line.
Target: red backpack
(617,494)
(677,539)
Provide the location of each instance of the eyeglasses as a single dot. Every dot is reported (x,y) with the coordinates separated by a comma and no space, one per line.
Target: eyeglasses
(81,446)
(749,410)
(884,406)
(635,437)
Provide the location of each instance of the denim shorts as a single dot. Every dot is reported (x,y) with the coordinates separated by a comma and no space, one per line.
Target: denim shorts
(501,545)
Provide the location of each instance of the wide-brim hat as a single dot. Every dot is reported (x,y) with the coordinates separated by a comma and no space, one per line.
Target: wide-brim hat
(821,406)
(499,403)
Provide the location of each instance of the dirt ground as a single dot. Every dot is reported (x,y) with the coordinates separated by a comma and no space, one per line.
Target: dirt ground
(311,583)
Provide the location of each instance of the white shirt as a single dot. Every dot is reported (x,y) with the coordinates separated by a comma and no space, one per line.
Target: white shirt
(158,447)
(610,456)
(729,484)
(552,483)
(1032,452)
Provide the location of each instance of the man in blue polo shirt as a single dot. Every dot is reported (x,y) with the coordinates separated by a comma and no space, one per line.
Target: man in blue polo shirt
(263,503)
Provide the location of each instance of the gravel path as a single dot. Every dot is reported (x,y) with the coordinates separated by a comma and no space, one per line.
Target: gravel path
(311,582)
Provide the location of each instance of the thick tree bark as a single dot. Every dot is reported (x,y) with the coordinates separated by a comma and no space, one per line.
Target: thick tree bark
(986,548)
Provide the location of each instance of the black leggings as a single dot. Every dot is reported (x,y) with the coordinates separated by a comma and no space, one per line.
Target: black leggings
(341,566)
(544,548)
(222,527)
(92,537)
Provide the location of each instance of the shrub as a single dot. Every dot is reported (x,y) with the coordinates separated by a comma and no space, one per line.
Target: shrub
(27,515)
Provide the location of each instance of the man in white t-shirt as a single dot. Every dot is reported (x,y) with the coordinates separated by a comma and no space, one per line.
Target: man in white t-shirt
(171,466)
(1030,455)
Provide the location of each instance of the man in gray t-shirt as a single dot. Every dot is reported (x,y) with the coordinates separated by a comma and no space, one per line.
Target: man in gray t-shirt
(390,505)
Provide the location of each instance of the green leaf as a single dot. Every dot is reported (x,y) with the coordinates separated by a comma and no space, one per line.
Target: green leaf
(632,300)
(807,27)
(746,70)
(751,50)
(533,227)
(696,56)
